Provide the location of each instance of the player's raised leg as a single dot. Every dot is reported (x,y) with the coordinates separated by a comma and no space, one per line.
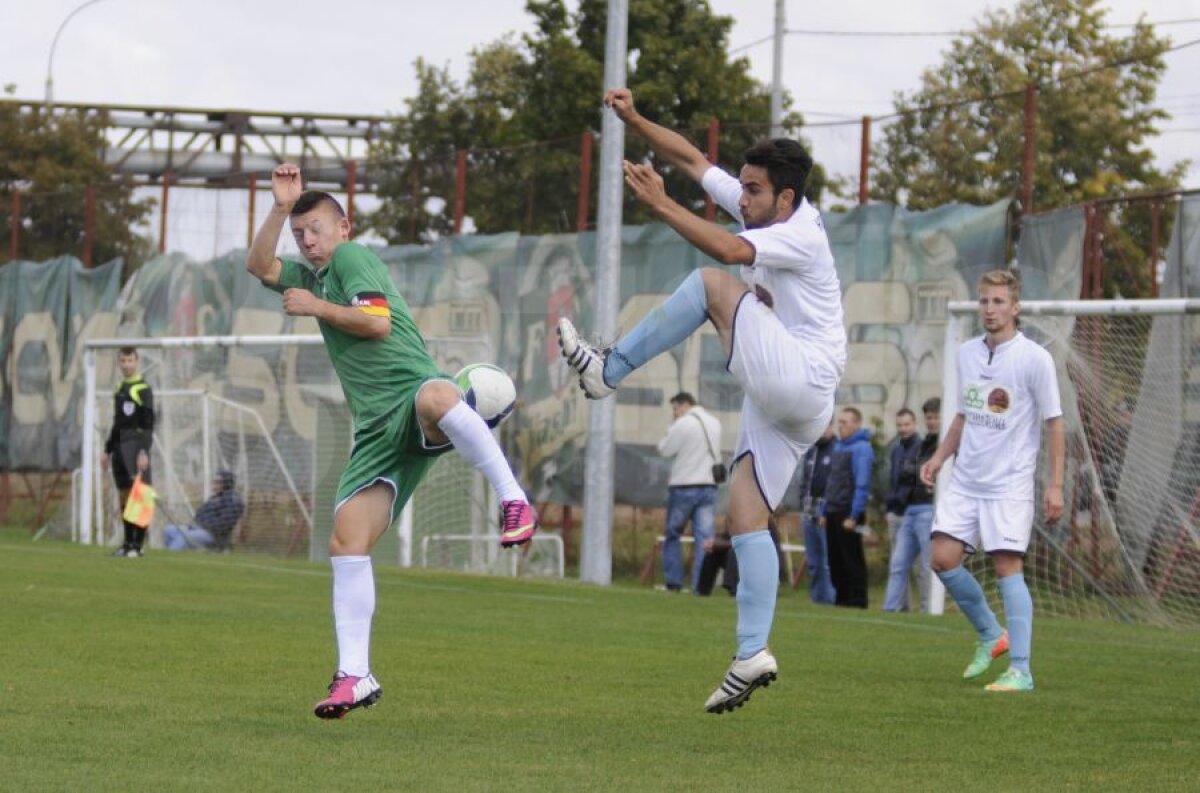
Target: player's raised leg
(758,567)
(705,294)
(446,418)
(358,524)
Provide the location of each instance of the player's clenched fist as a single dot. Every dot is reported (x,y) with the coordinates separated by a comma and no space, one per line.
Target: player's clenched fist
(300,303)
(621,102)
(286,185)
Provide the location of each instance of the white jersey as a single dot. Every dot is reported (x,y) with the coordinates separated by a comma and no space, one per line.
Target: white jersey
(793,262)
(1004,395)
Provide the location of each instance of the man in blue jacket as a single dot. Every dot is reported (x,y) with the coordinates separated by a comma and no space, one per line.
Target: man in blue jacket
(845,508)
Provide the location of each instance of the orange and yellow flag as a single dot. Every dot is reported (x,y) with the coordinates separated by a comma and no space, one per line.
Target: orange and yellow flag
(139,509)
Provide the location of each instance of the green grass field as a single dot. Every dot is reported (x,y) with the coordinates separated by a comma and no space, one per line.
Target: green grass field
(197,672)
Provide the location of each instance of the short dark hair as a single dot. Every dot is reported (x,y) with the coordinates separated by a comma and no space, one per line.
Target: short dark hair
(853,411)
(128,351)
(932,405)
(906,412)
(311,199)
(786,161)
(683,398)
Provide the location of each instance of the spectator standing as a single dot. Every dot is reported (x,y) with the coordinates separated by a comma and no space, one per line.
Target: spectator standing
(216,523)
(845,508)
(128,445)
(815,476)
(691,443)
(902,456)
(911,543)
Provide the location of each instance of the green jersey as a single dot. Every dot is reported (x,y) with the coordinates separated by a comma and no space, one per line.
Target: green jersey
(376,374)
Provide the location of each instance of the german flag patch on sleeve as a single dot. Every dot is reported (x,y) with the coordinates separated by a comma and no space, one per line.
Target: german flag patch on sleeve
(373,303)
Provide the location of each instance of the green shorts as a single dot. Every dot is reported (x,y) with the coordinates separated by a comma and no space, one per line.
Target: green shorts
(392,451)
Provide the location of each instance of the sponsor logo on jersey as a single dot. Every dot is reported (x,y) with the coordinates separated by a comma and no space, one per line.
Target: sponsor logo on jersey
(998,400)
(973,396)
(986,405)
(373,303)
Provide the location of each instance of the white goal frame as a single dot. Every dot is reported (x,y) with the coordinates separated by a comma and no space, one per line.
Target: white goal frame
(958,328)
(86,508)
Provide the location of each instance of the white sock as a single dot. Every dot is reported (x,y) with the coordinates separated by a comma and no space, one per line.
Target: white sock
(474,441)
(353,607)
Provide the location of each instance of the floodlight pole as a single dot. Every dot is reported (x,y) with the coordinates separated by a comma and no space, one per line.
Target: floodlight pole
(595,563)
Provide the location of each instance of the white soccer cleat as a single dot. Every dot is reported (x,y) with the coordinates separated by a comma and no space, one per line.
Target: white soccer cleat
(584,359)
(741,680)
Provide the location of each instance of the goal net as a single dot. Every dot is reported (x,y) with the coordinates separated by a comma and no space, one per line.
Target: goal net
(1127,546)
(269,409)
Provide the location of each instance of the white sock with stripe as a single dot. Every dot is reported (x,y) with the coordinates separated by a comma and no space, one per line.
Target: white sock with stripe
(353,608)
(473,440)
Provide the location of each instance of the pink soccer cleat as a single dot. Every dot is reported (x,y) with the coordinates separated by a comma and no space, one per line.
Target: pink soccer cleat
(518,523)
(346,693)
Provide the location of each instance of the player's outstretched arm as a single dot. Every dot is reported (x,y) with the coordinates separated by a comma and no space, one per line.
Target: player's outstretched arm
(716,241)
(1056,447)
(668,144)
(261,261)
(945,450)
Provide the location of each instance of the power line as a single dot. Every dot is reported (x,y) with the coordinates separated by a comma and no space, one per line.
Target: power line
(1058,80)
(924,33)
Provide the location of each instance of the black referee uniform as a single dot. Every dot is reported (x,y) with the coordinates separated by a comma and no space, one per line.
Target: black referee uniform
(131,433)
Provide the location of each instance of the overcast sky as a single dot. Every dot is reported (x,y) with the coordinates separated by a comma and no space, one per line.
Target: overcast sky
(355,56)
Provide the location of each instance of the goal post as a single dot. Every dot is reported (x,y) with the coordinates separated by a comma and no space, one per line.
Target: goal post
(271,410)
(177,382)
(1127,546)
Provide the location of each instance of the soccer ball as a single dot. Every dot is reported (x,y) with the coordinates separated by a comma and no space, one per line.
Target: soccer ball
(488,390)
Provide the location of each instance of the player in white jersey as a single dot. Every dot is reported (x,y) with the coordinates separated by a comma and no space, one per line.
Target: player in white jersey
(781,326)
(1007,389)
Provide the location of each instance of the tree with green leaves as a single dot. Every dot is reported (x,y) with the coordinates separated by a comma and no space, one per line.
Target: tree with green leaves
(526,103)
(960,136)
(52,158)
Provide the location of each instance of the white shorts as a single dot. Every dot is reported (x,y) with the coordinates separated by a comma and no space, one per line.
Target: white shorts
(1002,525)
(784,411)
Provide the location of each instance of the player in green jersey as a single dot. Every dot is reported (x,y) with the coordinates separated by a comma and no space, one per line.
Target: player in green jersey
(405,411)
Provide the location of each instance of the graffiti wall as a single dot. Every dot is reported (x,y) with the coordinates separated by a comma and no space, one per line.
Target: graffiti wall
(498,298)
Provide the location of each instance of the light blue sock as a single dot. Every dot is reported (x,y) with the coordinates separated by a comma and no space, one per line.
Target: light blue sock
(683,311)
(758,584)
(1018,612)
(967,593)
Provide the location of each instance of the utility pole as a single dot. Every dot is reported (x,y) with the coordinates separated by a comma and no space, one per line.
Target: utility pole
(777,71)
(595,563)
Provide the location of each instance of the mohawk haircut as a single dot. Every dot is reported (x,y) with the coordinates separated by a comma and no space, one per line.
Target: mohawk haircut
(311,199)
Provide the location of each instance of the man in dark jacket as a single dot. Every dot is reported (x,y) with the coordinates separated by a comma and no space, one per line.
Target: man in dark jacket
(912,543)
(902,470)
(215,524)
(845,508)
(815,476)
